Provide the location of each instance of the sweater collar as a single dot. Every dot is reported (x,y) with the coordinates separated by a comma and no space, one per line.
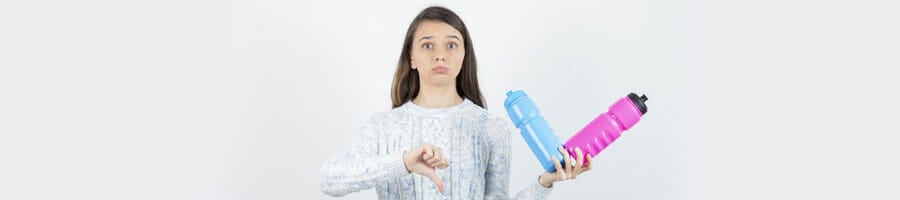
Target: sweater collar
(412,107)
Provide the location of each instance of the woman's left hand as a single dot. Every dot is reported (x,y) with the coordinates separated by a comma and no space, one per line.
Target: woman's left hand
(570,171)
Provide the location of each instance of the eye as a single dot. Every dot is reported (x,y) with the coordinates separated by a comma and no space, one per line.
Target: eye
(427,46)
(451,46)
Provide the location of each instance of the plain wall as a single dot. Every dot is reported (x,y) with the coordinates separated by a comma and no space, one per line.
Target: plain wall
(197,99)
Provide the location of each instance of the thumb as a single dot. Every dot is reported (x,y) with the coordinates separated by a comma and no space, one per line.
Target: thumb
(437,180)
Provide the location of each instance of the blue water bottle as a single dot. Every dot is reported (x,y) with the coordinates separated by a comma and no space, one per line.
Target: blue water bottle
(537,133)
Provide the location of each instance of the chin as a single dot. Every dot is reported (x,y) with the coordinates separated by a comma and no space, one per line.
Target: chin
(440,80)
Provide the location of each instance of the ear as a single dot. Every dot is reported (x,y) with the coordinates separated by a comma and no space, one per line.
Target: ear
(412,63)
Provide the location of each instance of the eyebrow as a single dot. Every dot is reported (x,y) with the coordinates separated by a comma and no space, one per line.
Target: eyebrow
(429,37)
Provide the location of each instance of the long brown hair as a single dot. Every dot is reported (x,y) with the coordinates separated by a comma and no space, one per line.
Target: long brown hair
(406,81)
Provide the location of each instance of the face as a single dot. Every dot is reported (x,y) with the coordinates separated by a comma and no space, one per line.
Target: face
(437,53)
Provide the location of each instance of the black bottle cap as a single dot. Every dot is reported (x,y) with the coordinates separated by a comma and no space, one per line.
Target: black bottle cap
(639,101)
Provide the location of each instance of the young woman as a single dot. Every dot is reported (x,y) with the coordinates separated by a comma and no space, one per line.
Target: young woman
(438,141)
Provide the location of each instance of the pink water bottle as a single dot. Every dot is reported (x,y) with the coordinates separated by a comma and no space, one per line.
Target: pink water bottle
(607,127)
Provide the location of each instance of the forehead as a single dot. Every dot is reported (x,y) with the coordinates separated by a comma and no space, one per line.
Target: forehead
(435,28)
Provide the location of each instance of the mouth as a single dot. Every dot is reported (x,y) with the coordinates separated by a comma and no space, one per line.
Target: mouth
(440,69)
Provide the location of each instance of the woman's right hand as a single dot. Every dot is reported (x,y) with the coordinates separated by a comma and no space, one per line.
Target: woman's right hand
(423,160)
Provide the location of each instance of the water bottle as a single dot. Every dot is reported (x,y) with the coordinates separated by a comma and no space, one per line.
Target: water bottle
(534,128)
(607,127)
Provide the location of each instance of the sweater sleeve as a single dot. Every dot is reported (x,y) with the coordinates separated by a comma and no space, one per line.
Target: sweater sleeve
(360,167)
(498,170)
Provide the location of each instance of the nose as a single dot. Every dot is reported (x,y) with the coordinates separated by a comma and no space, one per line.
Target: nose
(439,57)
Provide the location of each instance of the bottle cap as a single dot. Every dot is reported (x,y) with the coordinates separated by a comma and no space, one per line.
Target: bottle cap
(639,101)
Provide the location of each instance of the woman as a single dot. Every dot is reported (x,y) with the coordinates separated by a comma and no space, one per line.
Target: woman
(438,141)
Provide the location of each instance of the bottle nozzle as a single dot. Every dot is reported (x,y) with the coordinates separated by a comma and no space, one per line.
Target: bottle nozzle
(639,101)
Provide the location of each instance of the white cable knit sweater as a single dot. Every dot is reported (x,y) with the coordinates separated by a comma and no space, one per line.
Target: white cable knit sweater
(475,143)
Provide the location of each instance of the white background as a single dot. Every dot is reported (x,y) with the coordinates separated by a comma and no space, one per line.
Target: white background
(195,99)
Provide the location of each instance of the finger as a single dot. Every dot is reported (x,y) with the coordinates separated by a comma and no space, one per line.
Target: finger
(566,158)
(562,175)
(434,162)
(571,171)
(437,156)
(556,164)
(579,156)
(437,181)
(429,151)
(560,172)
(442,164)
(434,159)
(589,163)
(569,163)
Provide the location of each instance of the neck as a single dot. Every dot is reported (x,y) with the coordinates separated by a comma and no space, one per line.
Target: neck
(438,96)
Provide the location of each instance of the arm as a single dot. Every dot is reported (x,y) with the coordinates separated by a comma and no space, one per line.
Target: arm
(359,167)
